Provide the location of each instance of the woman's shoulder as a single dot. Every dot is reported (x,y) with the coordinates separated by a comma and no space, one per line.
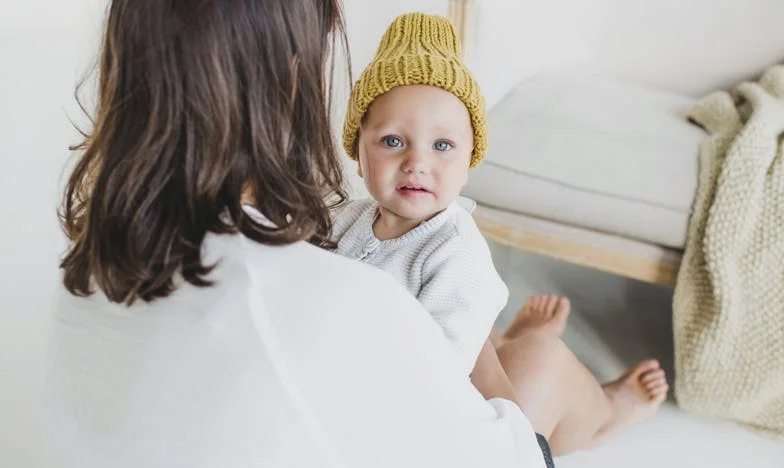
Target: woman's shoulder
(302,282)
(311,270)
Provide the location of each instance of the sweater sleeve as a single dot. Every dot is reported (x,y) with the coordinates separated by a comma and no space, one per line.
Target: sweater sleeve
(345,215)
(463,292)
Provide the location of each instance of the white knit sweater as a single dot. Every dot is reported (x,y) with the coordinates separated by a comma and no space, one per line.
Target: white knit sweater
(445,262)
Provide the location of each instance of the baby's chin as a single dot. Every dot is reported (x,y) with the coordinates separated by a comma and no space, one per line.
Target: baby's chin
(418,213)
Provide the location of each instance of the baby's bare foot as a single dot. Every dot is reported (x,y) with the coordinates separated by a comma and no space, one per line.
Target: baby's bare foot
(635,396)
(545,312)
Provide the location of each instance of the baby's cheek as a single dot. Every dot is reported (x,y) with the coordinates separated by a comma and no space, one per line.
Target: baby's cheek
(378,178)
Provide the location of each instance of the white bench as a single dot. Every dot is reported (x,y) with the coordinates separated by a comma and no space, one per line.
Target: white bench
(591,171)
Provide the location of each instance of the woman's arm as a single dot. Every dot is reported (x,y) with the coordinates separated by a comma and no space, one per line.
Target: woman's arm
(380,382)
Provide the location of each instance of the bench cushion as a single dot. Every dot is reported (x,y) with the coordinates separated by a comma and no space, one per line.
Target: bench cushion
(592,152)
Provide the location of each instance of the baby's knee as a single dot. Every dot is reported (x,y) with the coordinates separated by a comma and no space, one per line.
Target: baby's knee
(535,353)
(543,342)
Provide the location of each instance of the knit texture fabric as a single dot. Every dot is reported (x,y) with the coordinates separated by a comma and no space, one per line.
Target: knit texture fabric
(444,262)
(417,49)
(729,299)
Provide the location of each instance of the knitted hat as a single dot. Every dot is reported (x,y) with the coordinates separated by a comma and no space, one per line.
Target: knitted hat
(417,49)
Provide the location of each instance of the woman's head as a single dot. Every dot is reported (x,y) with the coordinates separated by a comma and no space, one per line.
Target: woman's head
(200,101)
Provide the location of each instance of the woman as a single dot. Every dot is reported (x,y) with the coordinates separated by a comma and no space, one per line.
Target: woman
(197,328)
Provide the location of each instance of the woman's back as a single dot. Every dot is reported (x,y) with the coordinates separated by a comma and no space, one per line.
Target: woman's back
(261,370)
(188,380)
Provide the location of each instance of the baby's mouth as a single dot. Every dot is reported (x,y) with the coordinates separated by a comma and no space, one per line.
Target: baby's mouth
(413,191)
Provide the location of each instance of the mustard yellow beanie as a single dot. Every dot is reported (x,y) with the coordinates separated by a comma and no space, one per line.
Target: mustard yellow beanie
(417,49)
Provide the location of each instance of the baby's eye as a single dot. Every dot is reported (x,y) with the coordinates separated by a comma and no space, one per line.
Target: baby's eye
(393,141)
(442,145)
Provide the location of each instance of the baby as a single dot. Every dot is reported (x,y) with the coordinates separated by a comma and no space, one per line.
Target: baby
(416,125)
(415,144)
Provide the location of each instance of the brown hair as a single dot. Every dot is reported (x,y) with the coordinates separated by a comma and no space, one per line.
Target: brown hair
(200,101)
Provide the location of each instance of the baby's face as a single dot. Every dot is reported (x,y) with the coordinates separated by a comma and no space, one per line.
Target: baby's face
(414,149)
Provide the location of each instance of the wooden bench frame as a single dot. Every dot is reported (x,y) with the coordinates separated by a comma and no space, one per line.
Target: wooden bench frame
(614,254)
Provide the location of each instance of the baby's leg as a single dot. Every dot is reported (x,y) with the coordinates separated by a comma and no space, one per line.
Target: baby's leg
(632,398)
(495,338)
(558,395)
(563,400)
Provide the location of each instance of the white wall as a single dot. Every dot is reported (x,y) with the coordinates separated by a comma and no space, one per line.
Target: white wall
(686,46)
(689,46)
(44,47)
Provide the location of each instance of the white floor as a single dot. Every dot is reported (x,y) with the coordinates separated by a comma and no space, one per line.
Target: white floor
(615,323)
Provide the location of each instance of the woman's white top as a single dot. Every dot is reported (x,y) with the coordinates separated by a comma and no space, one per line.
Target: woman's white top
(296,357)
